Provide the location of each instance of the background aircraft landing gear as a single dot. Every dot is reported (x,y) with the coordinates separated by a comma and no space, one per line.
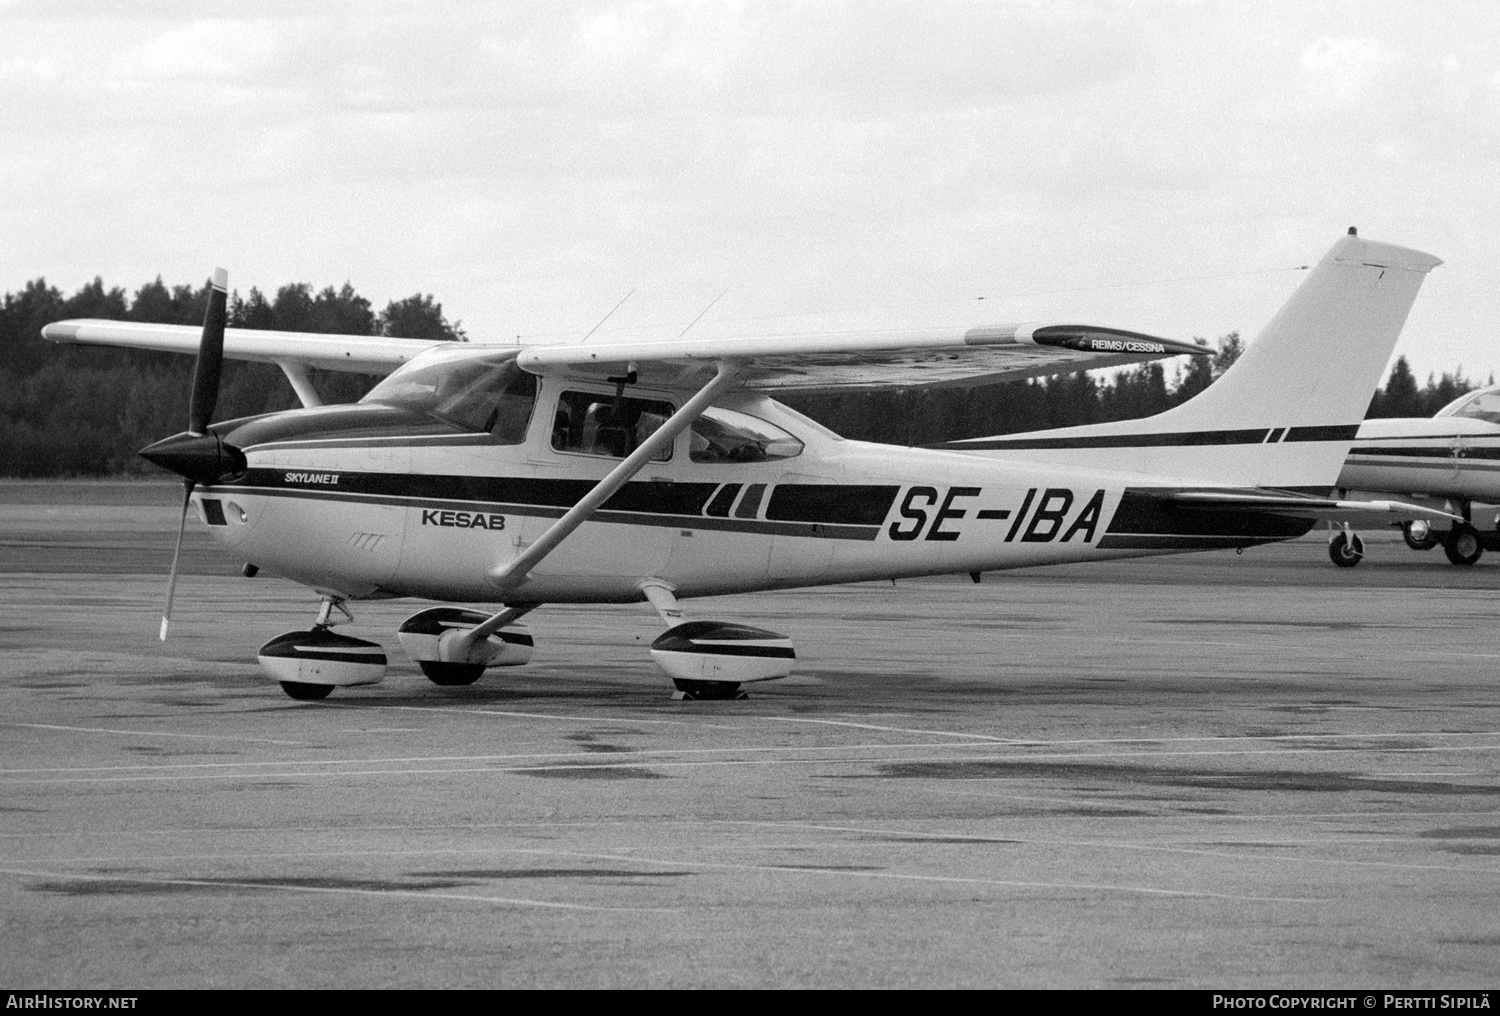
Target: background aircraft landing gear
(310,664)
(1419,535)
(1346,548)
(1462,545)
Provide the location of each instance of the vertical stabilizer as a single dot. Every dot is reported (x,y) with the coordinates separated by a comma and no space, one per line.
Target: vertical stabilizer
(1285,414)
(1318,362)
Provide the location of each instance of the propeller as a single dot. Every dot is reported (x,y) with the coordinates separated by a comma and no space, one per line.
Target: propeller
(197,455)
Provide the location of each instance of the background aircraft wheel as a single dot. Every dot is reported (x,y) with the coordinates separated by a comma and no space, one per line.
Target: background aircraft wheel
(306,692)
(1462,545)
(450,674)
(1419,535)
(1346,549)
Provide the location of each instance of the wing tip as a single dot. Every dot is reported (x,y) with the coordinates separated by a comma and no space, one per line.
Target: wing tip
(61,331)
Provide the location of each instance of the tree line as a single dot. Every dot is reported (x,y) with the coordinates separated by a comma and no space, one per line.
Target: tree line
(70,411)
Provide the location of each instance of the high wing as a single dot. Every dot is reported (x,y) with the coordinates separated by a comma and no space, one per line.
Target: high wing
(363,354)
(925,358)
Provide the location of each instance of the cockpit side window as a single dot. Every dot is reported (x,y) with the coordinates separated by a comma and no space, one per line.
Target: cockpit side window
(726,435)
(588,423)
(481,394)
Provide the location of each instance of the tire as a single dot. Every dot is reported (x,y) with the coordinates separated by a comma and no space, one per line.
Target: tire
(304,692)
(451,674)
(710,691)
(1424,542)
(1346,549)
(1462,546)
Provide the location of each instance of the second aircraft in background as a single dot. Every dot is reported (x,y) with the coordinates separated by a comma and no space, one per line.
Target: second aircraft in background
(1449,461)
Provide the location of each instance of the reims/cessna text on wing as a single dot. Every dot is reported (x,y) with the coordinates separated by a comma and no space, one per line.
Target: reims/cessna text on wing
(1450,460)
(659,471)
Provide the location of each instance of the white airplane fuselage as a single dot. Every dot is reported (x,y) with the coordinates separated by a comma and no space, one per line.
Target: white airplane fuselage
(1440,457)
(403,514)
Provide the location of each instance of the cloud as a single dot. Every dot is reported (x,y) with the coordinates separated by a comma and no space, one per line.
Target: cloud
(204,50)
(1339,72)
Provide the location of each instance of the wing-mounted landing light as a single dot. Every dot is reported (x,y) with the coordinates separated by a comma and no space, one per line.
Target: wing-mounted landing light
(197,455)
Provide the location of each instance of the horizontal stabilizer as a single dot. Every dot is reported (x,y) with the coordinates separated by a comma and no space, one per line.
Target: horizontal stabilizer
(1299,506)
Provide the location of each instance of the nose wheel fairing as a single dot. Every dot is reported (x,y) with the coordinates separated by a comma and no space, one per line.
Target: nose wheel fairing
(310,664)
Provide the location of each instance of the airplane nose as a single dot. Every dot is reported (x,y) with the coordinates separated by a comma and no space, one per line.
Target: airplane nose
(202,458)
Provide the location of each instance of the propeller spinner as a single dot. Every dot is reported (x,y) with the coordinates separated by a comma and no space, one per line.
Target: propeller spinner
(197,455)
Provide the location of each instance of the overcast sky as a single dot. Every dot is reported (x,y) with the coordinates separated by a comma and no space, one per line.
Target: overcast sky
(1158,166)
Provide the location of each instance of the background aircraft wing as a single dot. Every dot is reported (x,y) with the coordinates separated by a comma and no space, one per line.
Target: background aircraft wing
(364,354)
(869,359)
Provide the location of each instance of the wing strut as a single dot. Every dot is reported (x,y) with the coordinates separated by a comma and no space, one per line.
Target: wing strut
(516,571)
(301,381)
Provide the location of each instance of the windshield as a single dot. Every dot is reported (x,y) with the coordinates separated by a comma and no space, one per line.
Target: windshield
(1481,405)
(476,392)
(726,435)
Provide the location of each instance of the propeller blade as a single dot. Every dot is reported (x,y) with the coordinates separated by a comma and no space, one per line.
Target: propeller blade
(210,355)
(166,613)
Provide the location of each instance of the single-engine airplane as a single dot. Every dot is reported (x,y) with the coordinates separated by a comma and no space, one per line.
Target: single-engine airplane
(660,471)
(1450,460)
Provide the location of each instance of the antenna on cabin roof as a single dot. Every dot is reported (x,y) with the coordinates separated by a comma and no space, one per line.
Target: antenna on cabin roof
(606,317)
(702,312)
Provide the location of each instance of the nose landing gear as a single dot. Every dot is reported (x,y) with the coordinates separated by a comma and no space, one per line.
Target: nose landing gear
(310,664)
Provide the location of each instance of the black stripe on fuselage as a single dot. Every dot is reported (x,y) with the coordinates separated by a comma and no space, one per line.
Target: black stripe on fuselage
(1339,432)
(1147,519)
(830,511)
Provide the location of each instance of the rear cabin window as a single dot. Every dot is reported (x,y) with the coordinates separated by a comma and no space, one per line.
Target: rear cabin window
(481,394)
(1480,406)
(724,435)
(587,423)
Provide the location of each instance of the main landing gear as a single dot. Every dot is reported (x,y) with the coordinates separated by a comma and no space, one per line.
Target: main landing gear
(712,659)
(444,642)
(1462,544)
(1419,535)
